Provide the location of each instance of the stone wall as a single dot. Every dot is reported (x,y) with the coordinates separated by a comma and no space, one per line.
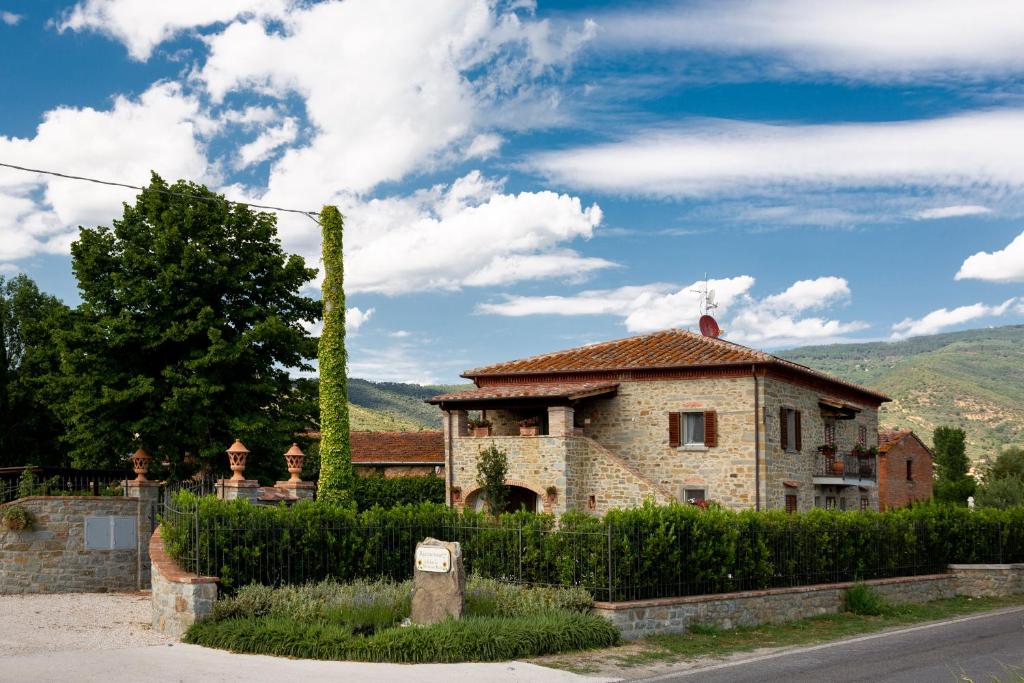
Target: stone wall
(534,462)
(395,471)
(52,558)
(790,466)
(179,598)
(599,480)
(750,608)
(634,426)
(988,580)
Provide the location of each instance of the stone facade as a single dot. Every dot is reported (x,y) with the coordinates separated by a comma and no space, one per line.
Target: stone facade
(393,471)
(896,489)
(614,452)
(750,608)
(52,557)
(787,466)
(178,598)
(988,580)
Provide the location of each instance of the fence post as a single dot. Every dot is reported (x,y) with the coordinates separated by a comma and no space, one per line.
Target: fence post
(520,551)
(609,524)
(196,539)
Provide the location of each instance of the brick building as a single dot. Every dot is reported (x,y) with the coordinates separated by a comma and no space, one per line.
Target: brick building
(398,454)
(905,469)
(666,416)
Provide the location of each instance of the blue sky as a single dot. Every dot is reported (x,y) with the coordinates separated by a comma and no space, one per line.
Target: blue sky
(519,177)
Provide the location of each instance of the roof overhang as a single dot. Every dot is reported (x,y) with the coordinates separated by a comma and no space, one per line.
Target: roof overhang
(837,409)
(539,394)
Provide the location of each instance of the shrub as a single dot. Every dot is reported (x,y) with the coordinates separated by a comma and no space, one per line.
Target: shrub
(863,599)
(391,492)
(470,639)
(491,470)
(655,551)
(17,518)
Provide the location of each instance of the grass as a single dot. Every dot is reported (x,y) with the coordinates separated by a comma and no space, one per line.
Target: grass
(364,621)
(707,641)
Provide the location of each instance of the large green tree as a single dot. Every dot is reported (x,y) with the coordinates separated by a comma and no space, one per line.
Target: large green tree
(953,484)
(30,430)
(336,476)
(191,318)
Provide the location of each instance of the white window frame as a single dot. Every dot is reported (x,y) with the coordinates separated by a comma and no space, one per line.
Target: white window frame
(687,498)
(685,429)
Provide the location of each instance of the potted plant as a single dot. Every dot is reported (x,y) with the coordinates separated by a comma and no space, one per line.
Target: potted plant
(552,492)
(480,426)
(16,518)
(529,427)
(831,463)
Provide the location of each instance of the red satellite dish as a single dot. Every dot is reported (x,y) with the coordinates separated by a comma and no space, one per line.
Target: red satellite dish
(709,327)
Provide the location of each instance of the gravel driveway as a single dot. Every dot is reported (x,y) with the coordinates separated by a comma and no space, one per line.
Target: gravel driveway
(36,624)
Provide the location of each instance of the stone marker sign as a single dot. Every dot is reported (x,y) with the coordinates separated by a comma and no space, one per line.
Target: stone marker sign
(439,582)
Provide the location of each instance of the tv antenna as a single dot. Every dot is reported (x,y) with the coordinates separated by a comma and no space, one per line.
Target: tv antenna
(707,303)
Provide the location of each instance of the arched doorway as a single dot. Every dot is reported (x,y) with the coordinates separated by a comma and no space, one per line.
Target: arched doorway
(518,498)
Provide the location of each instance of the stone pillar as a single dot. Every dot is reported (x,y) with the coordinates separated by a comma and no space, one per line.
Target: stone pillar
(439,582)
(299,490)
(560,420)
(459,423)
(231,489)
(148,493)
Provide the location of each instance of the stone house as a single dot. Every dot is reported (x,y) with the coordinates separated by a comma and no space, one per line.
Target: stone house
(398,454)
(905,469)
(667,416)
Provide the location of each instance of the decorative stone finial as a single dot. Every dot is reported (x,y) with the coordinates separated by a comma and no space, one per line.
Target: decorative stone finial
(293,458)
(140,464)
(237,456)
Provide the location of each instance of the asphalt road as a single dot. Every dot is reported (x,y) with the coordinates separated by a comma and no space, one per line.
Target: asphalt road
(984,647)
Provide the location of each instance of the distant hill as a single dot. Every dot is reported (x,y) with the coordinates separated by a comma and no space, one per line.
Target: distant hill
(363,419)
(389,404)
(972,379)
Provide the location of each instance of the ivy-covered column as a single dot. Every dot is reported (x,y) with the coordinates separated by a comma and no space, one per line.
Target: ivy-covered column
(335,486)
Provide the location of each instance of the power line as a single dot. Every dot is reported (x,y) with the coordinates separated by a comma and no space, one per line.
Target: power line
(308,214)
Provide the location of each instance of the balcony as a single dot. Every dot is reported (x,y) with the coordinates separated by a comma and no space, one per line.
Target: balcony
(845,469)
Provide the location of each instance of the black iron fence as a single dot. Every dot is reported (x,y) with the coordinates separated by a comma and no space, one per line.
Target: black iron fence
(614,561)
(59,481)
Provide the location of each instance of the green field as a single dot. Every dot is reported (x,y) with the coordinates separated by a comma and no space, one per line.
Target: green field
(972,379)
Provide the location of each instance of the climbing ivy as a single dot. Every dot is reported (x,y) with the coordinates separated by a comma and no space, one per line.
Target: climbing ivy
(336,476)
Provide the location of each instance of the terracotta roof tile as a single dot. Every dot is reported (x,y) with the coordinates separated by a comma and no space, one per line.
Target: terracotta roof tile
(890,438)
(569,390)
(672,348)
(413,447)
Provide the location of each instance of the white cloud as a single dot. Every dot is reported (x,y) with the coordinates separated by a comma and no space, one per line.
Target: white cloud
(9,269)
(159,131)
(467,234)
(1005,265)
(871,39)
(953,211)
(268,140)
(400,334)
(395,363)
(710,157)
(143,24)
(356,318)
(774,319)
(388,95)
(484,146)
(940,319)
(10,18)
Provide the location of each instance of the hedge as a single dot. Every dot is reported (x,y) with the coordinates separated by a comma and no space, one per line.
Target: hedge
(648,552)
(391,492)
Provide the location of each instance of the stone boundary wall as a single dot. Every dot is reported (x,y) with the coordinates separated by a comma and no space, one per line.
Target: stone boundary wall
(641,618)
(51,557)
(989,580)
(178,598)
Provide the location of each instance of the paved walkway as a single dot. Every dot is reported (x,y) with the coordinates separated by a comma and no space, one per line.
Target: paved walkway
(106,638)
